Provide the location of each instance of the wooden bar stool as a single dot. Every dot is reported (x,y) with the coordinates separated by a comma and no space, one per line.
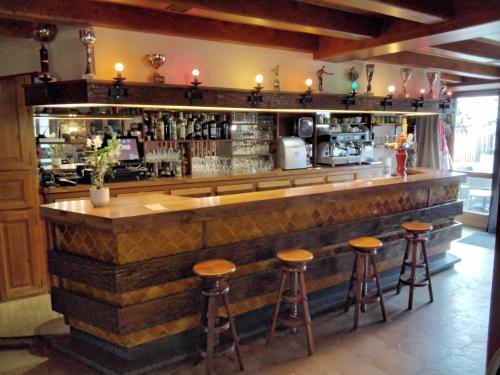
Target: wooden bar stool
(365,249)
(212,273)
(293,265)
(417,233)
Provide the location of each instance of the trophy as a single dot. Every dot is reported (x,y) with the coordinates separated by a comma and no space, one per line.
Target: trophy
(370,70)
(405,77)
(87,37)
(44,33)
(352,75)
(431,77)
(156,60)
(276,78)
(443,86)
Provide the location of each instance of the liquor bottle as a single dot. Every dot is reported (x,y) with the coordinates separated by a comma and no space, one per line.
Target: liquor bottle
(224,127)
(166,125)
(205,126)
(181,127)
(198,127)
(190,127)
(160,127)
(173,128)
(184,162)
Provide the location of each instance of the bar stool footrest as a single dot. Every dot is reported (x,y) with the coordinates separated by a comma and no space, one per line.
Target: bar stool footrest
(418,265)
(418,282)
(289,297)
(292,322)
(370,298)
(222,324)
(223,347)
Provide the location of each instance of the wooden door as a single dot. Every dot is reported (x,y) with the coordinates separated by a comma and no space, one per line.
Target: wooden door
(23,269)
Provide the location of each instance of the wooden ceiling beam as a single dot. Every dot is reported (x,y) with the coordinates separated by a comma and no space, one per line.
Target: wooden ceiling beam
(431,62)
(16,28)
(475,84)
(451,78)
(278,14)
(422,11)
(473,48)
(466,24)
(82,12)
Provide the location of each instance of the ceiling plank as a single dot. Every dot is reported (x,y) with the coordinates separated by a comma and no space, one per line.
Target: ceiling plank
(16,28)
(431,62)
(83,12)
(451,78)
(475,84)
(399,37)
(278,14)
(473,48)
(422,11)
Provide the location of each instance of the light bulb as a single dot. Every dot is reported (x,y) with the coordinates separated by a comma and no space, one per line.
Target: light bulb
(391,89)
(422,91)
(449,93)
(196,73)
(259,79)
(119,67)
(354,85)
(309,82)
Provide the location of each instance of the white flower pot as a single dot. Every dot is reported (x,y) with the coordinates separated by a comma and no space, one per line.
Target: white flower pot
(99,197)
(56,162)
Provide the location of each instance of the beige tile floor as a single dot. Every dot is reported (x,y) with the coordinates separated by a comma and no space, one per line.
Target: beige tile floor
(447,337)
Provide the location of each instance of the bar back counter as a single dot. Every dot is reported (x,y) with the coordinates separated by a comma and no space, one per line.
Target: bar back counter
(126,285)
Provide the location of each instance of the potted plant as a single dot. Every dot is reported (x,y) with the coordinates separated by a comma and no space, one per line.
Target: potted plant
(101,160)
(57,150)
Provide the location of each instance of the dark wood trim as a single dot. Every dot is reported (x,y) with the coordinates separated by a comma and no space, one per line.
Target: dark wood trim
(96,92)
(122,278)
(123,320)
(16,28)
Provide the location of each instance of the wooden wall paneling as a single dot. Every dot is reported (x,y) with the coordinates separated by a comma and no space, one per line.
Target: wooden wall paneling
(17,190)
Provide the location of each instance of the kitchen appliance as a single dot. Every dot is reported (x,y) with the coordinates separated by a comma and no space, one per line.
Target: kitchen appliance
(344,148)
(304,127)
(292,153)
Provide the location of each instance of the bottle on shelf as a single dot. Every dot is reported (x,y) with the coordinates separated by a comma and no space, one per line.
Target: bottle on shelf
(212,130)
(181,127)
(172,125)
(190,127)
(160,127)
(198,127)
(224,127)
(166,126)
(205,128)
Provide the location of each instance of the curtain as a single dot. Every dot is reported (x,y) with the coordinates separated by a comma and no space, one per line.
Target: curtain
(432,144)
(495,184)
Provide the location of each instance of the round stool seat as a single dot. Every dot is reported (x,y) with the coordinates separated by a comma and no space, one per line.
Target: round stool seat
(365,243)
(214,268)
(417,227)
(295,256)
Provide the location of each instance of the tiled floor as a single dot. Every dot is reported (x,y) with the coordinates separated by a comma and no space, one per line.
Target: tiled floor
(447,337)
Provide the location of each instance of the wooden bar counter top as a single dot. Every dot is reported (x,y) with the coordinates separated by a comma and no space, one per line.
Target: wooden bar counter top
(124,271)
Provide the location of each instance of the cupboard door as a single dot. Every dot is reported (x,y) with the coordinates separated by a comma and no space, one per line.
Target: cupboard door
(17,190)
(17,141)
(21,261)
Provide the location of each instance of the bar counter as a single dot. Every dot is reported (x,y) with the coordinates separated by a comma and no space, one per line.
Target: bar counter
(125,271)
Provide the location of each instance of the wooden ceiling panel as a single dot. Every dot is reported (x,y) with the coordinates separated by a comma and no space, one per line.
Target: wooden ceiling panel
(431,62)
(473,48)
(16,28)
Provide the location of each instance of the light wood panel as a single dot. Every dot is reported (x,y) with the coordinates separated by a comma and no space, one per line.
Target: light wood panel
(21,263)
(234,189)
(17,190)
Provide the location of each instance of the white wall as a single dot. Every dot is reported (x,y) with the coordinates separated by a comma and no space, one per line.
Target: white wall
(221,64)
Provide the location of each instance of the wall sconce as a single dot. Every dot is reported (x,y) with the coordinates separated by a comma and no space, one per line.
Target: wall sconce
(445,104)
(419,102)
(117,91)
(306,98)
(350,99)
(387,101)
(255,97)
(194,94)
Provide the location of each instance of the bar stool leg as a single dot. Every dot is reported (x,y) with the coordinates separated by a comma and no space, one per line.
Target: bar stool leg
(359,277)
(277,307)
(413,271)
(379,288)
(403,267)
(307,316)
(427,270)
(351,283)
(233,331)
(211,334)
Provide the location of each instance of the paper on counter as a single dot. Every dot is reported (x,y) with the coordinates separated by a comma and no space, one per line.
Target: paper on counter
(156,207)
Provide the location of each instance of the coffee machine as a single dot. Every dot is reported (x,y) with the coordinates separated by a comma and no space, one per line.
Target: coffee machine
(344,148)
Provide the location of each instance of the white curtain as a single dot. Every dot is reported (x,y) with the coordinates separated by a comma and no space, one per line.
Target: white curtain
(432,145)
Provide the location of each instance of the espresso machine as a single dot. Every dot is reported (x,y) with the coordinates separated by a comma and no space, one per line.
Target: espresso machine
(344,148)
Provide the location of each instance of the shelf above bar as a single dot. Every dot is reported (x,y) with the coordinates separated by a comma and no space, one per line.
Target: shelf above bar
(82,93)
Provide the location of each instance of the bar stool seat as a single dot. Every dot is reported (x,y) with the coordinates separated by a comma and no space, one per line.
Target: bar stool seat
(294,256)
(214,268)
(293,265)
(217,342)
(365,250)
(417,233)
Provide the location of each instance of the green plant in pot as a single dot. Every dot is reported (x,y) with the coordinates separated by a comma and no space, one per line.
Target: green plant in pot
(56,154)
(101,160)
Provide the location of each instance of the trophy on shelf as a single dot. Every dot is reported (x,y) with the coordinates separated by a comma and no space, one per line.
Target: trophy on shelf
(156,60)
(443,86)
(370,70)
(353,75)
(44,33)
(87,37)
(405,77)
(431,77)
(276,78)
